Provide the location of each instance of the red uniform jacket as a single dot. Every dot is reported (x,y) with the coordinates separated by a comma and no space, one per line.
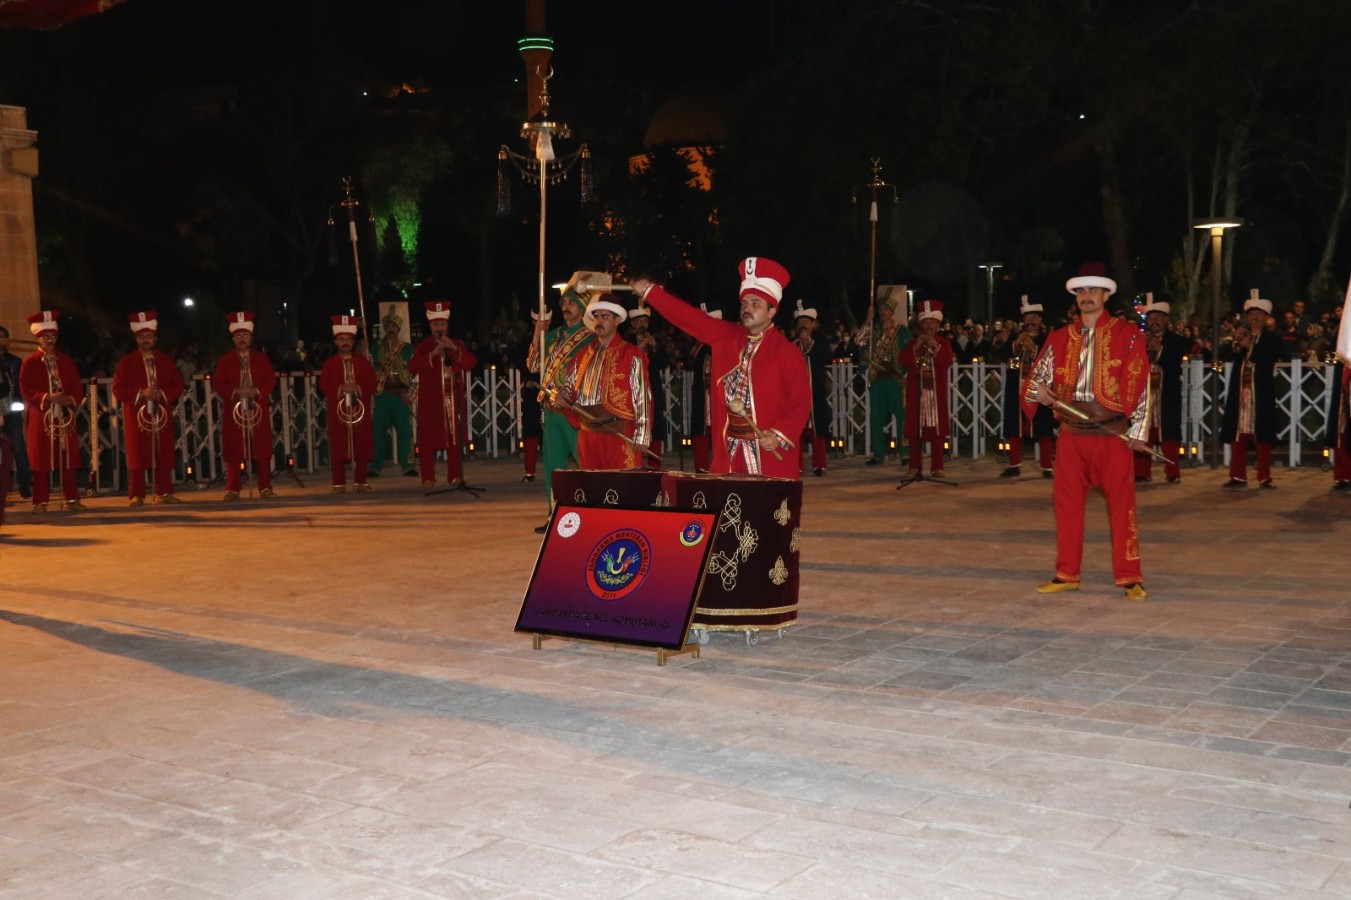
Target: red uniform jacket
(224,381)
(33,385)
(943,358)
(358,441)
(1120,375)
(623,388)
(781,397)
(437,402)
(129,379)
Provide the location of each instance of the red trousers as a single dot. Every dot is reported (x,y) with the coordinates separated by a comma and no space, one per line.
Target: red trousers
(454,465)
(1107,463)
(1341,465)
(1238,458)
(699,444)
(234,475)
(818,443)
(1046,444)
(531,455)
(358,472)
(164,482)
(935,451)
(1144,463)
(42,486)
(601,450)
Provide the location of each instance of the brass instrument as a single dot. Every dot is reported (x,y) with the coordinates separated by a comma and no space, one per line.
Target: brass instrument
(351,408)
(926,347)
(885,340)
(1026,346)
(448,400)
(151,415)
(56,420)
(246,412)
(1154,347)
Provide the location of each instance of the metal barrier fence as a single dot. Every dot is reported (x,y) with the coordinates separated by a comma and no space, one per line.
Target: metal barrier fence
(1304,392)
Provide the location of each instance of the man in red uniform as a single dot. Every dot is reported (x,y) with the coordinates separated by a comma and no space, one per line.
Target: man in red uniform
(1340,419)
(609,399)
(1096,375)
(147,384)
(759,393)
(441,364)
(347,381)
(926,359)
(244,381)
(52,391)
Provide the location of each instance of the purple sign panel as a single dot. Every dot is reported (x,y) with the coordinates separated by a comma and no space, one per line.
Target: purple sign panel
(623,575)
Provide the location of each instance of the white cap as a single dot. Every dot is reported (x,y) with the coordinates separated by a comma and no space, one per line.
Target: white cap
(1256,302)
(1025,307)
(1150,306)
(712,314)
(607,303)
(801,312)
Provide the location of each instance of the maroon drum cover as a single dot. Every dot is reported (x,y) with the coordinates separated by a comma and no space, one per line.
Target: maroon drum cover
(752,579)
(620,488)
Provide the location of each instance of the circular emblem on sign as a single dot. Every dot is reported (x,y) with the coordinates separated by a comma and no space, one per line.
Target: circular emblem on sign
(618,564)
(692,534)
(568,524)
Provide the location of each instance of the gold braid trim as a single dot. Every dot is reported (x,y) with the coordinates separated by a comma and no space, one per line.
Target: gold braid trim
(771,611)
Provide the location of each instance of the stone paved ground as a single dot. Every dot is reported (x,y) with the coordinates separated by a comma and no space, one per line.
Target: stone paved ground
(323,697)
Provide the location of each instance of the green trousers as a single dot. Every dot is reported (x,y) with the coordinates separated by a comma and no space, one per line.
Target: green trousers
(885,400)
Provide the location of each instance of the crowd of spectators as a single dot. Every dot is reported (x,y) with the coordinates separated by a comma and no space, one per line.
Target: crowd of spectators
(1305,335)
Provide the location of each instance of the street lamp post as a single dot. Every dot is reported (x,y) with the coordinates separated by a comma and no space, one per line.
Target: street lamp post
(989,268)
(1216,227)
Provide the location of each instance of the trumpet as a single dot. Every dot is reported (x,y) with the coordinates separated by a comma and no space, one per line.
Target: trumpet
(56,421)
(246,413)
(351,408)
(151,415)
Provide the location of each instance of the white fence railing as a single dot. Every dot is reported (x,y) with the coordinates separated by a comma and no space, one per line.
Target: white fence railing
(974,393)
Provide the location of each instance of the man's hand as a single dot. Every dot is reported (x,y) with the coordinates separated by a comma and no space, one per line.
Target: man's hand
(640,287)
(61,400)
(1044,395)
(769,441)
(1139,446)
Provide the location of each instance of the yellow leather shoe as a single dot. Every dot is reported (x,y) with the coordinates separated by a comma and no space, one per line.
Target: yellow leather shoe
(363,489)
(1137,593)
(456,482)
(937,473)
(39,508)
(339,489)
(136,501)
(75,506)
(231,495)
(267,494)
(1055,586)
(428,484)
(169,498)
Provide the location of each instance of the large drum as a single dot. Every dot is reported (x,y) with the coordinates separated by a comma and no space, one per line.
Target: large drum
(620,488)
(752,579)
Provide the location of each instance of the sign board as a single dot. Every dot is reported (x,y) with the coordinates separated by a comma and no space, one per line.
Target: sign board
(620,575)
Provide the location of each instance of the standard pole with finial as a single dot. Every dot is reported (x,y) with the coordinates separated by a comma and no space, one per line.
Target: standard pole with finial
(874,188)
